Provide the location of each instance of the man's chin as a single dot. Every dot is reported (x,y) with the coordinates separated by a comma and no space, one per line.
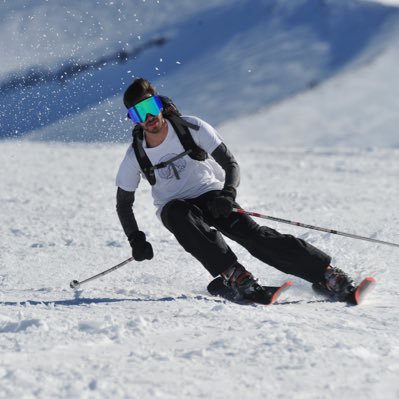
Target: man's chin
(153,130)
(153,127)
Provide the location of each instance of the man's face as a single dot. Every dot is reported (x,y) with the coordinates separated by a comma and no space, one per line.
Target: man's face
(153,124)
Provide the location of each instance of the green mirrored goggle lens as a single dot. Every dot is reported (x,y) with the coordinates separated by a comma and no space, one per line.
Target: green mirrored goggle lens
(151,105)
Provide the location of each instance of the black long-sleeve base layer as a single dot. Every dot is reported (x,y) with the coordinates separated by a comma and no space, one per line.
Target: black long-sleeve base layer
(199,233)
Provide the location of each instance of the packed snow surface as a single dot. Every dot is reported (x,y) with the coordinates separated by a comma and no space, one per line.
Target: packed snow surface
(150,329)
(304,93)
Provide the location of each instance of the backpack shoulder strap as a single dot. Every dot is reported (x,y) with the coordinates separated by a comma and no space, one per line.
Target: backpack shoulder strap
(142,158)
(181,128)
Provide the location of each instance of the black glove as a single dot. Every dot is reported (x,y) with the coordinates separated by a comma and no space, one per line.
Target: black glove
(223,204)
(141,248)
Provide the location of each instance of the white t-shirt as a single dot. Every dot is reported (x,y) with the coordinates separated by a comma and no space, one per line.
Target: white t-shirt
(196,177)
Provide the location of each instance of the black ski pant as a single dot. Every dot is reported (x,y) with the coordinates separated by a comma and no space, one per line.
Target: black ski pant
(200,234)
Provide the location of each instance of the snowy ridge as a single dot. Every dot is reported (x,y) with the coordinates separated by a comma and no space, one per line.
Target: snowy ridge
(241,58)
(356,108)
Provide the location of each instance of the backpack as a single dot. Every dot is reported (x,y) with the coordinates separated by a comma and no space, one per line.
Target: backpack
(182,129)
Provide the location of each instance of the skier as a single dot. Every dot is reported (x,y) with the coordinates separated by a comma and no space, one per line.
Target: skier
(195,200)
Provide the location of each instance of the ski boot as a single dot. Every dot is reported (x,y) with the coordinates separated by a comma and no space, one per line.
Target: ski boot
(336,285)
(243,283)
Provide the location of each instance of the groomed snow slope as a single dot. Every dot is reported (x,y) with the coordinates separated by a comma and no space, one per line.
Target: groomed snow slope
(150,329)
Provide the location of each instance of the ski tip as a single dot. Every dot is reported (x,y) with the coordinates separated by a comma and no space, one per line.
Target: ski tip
(285,286)
(365,286)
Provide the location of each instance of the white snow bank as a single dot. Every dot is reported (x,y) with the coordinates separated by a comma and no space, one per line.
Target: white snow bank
(239,59)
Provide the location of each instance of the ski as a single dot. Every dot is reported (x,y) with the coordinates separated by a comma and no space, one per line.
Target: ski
(217,288)
(356,297)
(362,290)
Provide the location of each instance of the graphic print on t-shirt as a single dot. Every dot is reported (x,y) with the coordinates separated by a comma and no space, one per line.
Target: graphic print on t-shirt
(173,169)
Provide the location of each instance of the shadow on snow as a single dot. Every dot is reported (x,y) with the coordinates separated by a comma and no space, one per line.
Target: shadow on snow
(78,301)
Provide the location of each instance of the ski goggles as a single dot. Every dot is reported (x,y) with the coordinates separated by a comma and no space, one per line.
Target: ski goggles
(151,105)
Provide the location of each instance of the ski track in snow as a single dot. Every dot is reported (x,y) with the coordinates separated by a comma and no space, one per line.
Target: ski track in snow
(150,329)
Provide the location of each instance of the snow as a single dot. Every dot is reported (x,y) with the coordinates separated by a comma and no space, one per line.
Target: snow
(356,108)
(325,155)
(255,53)
(150,329)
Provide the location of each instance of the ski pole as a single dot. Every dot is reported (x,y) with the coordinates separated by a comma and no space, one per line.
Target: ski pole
(308,226)
(75,284)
